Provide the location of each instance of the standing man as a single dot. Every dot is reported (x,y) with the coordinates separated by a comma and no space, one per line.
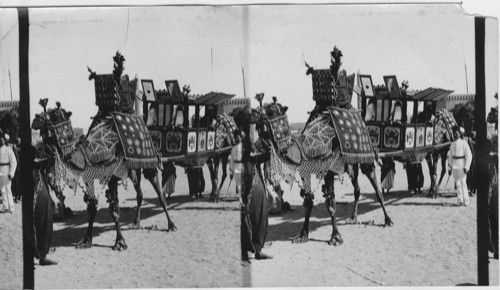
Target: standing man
(8,165)
(236,163)
(459,160)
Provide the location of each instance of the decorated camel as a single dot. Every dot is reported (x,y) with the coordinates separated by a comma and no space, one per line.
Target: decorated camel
(116,146)
(443,125)
(334,140)
(225,132)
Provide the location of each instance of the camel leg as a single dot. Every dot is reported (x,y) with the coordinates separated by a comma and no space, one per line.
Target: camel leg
(430,165)
(152,176)
(308,204)
(91,212)
(213,168)
(114,208)
(135,176)
(329,194)
(224,159)
(444,156)
(432,162)
(369,171)
(354,180)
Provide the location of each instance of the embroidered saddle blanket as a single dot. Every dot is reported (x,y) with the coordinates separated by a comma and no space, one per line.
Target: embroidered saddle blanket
(136,141)
(339,128)
(225,129)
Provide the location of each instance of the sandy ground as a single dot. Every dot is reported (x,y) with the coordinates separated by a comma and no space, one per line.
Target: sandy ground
(431,243)
(204,252)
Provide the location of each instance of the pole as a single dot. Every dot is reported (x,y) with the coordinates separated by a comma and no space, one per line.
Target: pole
(244,89)
(10,81)
(243,74)
(466,78)
(482,149)
(25,167)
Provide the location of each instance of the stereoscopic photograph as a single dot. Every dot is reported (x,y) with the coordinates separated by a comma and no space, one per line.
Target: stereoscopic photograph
(228,146)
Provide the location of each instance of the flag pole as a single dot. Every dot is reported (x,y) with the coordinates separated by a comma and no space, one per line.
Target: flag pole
(465,65)
(243,74)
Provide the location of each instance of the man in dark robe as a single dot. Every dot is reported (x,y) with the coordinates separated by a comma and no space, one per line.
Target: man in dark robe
(415,177)
(41,232)
(254,205)
(196,181)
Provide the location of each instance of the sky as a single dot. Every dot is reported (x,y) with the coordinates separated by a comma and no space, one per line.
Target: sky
(207,47)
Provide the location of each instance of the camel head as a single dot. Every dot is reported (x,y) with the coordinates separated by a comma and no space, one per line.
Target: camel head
(267,124)
(49,118)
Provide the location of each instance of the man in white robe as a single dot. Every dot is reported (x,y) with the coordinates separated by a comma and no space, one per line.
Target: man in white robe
(8,165)
(459,161)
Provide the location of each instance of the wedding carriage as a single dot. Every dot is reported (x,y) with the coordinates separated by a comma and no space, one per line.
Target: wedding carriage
(183,127)
(403,124)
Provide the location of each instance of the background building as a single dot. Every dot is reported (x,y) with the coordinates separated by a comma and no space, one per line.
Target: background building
(232,104)
(7,105)
(450,101)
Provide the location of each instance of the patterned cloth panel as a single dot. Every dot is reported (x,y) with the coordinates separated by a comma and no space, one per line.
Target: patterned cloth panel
(137,145)
(280,129)
(225,129)
(316,140)
(101,142)
(353,136)
(443,127)
(105,91)
(323,85)
(65,136)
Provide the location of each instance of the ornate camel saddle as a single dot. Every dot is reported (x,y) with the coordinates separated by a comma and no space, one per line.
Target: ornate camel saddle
(337,128)
(122,133)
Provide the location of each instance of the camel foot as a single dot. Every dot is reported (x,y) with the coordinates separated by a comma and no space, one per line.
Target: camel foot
(336,240)
(120,245)
(388,222)
(136,225)
(84,244)
(215,197)
(262,256)
(302,238)
(354,219)
(47,262)
(171,226)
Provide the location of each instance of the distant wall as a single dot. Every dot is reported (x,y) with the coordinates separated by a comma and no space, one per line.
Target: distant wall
(232,104)
(450,101)
(7,105)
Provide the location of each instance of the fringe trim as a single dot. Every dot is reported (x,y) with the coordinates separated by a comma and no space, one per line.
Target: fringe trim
(141,163)
(356,158)
(318,151)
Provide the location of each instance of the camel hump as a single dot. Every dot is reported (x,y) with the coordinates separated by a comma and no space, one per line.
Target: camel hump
(101,142)
(316,140)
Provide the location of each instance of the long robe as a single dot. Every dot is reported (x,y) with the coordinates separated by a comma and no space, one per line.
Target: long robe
(254,223)
(168,177)
(43,217)
(415,175)
(387,172)
(471,174)
(196,181)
